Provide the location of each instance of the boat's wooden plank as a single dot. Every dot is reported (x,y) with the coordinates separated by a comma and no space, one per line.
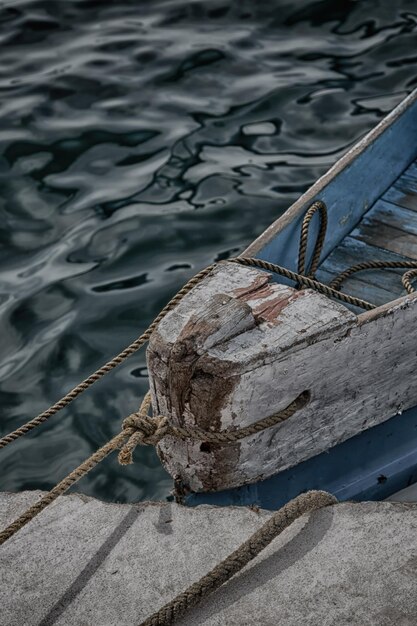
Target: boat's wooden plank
(389,450)
(403,193)
(393,215)
(387,238)
(379,236)
(363,290)
(412,170)
(409,177)
(380,285)
(402,198)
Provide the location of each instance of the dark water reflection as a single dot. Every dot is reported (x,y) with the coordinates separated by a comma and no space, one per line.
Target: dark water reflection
(140,142)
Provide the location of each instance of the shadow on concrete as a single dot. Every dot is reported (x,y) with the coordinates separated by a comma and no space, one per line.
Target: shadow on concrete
(90,569)
(310,535)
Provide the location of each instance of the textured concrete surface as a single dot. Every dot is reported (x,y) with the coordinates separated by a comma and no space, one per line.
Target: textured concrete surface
(83,562)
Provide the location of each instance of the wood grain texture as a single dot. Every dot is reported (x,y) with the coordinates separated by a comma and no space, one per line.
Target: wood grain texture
(376,286)
(357,373)
(192,386)
(404,191)
(387,232)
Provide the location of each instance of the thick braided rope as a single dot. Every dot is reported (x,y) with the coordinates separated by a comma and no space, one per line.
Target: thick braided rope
(302,280)
(63,486)
(150,430)
(140,428)
(107,367)
(369,265)
(319,207)
(305,503)
(407,278)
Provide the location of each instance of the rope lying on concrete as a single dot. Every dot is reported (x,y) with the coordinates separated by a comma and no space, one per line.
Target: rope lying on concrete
(280,520)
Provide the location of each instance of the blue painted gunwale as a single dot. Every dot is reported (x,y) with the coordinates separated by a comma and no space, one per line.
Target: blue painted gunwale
(381,460)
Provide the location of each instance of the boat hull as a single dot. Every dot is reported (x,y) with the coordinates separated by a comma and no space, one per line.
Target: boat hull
(370,466)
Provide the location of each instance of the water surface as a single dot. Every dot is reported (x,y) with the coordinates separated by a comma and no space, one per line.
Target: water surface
(141,141)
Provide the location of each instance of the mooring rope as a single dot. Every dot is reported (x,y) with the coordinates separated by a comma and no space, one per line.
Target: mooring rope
(248,550)
(110,365)
(304,281)
(382,265)
(150,430)
(142,429)
(320,208)
(62,487)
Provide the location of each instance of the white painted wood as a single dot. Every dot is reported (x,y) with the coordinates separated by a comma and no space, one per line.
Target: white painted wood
(358,371)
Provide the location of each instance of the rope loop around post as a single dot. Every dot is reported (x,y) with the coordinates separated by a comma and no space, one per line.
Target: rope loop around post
(144,429)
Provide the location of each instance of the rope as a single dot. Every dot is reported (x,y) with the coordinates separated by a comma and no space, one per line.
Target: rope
(280,520)
(141,428)
(193,282)
(369,265)
(62,487)
(303,280)
(319,207)
(107,367)
(407,277)
(150,430)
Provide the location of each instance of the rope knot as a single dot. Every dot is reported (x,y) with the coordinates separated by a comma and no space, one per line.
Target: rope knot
(150,430)
(142,430)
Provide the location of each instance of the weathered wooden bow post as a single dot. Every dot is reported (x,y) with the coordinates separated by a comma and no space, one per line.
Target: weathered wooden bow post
(241,347)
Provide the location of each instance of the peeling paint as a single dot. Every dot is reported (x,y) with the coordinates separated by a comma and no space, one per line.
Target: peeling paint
(267,300)
(246,293)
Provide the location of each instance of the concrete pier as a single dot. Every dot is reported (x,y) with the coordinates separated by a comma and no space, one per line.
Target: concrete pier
(83,562)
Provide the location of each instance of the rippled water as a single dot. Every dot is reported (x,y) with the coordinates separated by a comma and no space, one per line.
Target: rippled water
(140,142)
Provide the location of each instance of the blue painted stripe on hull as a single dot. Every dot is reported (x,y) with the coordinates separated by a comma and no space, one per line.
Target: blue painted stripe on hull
(370,466)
